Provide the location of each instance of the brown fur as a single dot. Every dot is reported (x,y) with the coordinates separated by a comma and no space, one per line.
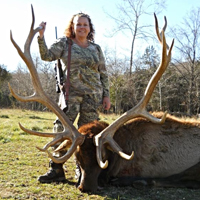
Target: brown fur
(184,121)
(92,128)
(165,153)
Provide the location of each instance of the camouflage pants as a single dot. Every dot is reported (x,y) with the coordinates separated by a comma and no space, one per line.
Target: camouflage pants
(85,105)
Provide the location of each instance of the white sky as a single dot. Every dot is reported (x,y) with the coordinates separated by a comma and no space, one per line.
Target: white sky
(15,15)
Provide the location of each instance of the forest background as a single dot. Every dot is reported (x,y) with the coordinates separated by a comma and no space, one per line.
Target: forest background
(177,92)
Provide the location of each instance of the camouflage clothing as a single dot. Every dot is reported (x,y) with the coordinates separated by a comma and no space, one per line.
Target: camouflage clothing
(88,78)
(86,105)
(88,73)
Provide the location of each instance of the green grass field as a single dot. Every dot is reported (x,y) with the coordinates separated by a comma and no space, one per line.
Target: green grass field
(21,163)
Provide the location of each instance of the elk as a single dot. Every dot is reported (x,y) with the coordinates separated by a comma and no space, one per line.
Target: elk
(137,148)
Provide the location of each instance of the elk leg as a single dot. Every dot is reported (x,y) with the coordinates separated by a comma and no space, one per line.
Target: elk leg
(190,178)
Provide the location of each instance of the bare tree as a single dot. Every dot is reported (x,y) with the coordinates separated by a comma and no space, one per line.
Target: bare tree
(187,37)
(116,68)
(128,20)
(21,82)
(47,76)
(5,76)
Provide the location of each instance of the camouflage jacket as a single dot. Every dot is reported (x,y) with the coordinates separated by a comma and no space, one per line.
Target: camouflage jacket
(87,70)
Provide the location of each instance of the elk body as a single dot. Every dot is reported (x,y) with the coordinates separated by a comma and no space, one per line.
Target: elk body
(146,148)
(166,155)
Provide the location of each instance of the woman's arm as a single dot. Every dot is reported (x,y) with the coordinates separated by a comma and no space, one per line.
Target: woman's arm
(55,50)
(104,80)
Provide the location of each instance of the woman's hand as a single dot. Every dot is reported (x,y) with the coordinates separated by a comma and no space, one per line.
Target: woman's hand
(41,32)
(106,103)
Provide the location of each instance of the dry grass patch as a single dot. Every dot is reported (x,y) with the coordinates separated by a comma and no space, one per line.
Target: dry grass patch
(21,163)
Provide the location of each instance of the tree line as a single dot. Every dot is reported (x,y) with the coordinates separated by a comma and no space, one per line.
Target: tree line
(178,91)
(172,93)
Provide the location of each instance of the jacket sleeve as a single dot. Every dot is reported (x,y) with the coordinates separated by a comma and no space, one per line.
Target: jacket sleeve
(54,52)
(103,73)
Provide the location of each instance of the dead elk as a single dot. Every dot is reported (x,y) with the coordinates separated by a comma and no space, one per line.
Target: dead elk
(166,155)
(137,146)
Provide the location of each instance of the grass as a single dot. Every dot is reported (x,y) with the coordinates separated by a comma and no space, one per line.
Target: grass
(21,163)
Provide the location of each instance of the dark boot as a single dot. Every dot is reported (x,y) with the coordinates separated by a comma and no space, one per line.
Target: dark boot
(55,174)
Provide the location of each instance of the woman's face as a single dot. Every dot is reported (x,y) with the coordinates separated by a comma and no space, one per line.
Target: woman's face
(81,27)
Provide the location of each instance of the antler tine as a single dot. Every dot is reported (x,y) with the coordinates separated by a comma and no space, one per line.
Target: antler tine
(73,147)
(37,133)
(106,136)
(159,35)
(70,132)
(59,136)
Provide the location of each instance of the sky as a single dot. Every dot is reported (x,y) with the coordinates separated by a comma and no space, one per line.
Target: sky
(15,15)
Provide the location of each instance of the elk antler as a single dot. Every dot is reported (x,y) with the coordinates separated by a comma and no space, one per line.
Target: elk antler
(69,132)
(106,136)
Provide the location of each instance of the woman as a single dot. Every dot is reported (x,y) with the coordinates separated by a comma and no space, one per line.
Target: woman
(89,86)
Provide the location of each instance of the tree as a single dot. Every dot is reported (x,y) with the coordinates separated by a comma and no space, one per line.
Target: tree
(116,67)
(129,20)
(22,83)
(187,37)
(5,76)
(150,58)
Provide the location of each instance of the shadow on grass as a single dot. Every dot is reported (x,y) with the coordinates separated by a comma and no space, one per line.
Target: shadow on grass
(36,117)
(71,183)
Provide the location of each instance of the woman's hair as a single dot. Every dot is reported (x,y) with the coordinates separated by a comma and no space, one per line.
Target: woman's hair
(69,31)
